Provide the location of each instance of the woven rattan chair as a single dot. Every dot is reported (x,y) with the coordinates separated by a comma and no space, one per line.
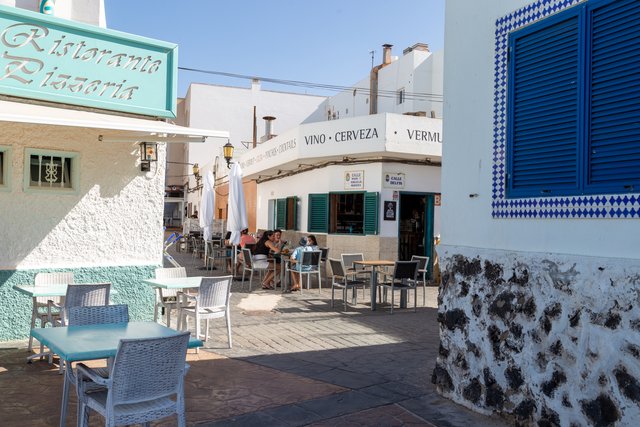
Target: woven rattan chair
(146,383)
(212,302)
(422,274)
(341,280)
(81,295)
(166,298)
(403,278)
(41,304)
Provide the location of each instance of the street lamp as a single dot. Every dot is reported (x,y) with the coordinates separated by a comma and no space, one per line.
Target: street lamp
(227,153)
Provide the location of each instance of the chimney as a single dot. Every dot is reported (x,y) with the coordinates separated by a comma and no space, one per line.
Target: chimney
(268,128)
(386,54)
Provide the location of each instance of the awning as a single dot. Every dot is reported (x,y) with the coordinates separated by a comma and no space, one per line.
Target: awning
(113,127)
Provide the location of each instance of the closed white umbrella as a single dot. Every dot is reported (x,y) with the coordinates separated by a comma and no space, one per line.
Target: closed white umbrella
(207,208)
(237,218)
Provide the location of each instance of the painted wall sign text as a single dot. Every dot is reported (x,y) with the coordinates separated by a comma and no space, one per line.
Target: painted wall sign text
(424,135)
(342,136)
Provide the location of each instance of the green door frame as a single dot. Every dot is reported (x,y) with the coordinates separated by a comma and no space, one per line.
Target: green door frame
(429,223)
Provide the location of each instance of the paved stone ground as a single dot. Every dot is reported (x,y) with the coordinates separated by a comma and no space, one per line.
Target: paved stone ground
(384,362)
(295,361)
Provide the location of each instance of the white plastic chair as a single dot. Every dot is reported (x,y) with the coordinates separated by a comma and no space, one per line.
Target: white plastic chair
(167,298)
(211,302)
(146,383)
(340,280)
(422,272)
(40,308)
(248,264)
(80,295)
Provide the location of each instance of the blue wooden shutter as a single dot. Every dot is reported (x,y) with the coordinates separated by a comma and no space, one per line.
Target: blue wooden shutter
(281,214)
(614,143)
(370,213)
(544,107)
(318,213)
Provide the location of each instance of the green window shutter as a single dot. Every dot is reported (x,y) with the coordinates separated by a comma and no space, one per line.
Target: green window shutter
(318,213)
(281,214)
(371,213)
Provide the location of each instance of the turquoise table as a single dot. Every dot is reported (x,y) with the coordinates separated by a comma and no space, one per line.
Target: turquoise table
(36,291)
(175,283)
(90,342)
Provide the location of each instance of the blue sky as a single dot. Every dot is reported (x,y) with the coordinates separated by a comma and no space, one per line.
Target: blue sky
(325,41)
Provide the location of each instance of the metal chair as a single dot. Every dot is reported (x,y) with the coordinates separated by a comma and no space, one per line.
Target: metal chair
(40,309)
(323,261)
(403,278)
(360,270)
(308,264)
(211,302)
(340,280)
(422,271)
(167,298)
(249,265)
(146,383)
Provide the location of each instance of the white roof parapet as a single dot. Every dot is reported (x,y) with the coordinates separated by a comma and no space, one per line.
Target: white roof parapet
(383,136)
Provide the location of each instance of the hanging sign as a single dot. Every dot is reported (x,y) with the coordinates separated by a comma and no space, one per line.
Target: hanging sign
(354,180)
(393,180)
(57,60)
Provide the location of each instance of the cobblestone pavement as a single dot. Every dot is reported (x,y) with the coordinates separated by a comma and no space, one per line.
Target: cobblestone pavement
(295,361)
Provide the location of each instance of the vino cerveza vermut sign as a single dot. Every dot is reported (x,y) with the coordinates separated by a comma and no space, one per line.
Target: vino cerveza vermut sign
(56,60)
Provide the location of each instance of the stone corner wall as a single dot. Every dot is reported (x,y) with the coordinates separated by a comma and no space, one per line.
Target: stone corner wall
(544,339)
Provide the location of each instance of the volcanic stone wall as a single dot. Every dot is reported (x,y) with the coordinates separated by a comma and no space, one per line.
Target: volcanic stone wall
(542,339)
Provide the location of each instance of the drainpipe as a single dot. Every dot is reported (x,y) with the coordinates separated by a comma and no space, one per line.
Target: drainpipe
(386,60)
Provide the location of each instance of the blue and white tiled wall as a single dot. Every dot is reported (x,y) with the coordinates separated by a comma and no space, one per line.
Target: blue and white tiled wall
(592,206)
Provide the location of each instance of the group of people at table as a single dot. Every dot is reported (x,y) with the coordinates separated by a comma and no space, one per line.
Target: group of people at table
(268,249)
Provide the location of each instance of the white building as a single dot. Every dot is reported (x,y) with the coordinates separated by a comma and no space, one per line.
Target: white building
(234,109)
(78,192)
(539,312)
(363,173)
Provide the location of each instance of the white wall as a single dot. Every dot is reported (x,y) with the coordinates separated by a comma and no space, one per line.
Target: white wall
(467,153)
(416,72)
(114,219)
(231,109)
(418,179)
(87,11)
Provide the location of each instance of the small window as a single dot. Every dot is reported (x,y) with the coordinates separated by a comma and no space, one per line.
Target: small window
(5,155)
(343,213)
(51,171)
(401,96)
(286,213)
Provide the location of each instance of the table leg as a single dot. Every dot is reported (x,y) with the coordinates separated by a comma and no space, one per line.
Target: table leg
(374,284)
(68,379)
(403,298)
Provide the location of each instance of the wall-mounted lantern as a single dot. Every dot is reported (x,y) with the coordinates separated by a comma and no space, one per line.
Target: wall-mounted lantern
(148,154)
(227,153)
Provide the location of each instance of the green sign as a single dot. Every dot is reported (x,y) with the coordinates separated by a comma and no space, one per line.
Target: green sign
(52,59)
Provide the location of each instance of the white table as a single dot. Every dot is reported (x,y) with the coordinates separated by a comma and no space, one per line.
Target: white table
(176,283)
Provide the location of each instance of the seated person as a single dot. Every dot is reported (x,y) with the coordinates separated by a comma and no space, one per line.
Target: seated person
(310,245)
(263,248)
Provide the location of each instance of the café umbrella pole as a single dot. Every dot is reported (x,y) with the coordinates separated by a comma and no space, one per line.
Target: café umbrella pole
(207,207)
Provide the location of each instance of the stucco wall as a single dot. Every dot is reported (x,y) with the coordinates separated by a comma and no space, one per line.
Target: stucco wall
(114,219)
(469,131)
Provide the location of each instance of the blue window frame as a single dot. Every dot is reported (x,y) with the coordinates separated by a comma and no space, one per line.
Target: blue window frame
(573,113)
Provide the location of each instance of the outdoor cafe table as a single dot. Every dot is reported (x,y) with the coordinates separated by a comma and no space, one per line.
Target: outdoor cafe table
(36,291)
(91,342)
(375,265)
(175,282)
